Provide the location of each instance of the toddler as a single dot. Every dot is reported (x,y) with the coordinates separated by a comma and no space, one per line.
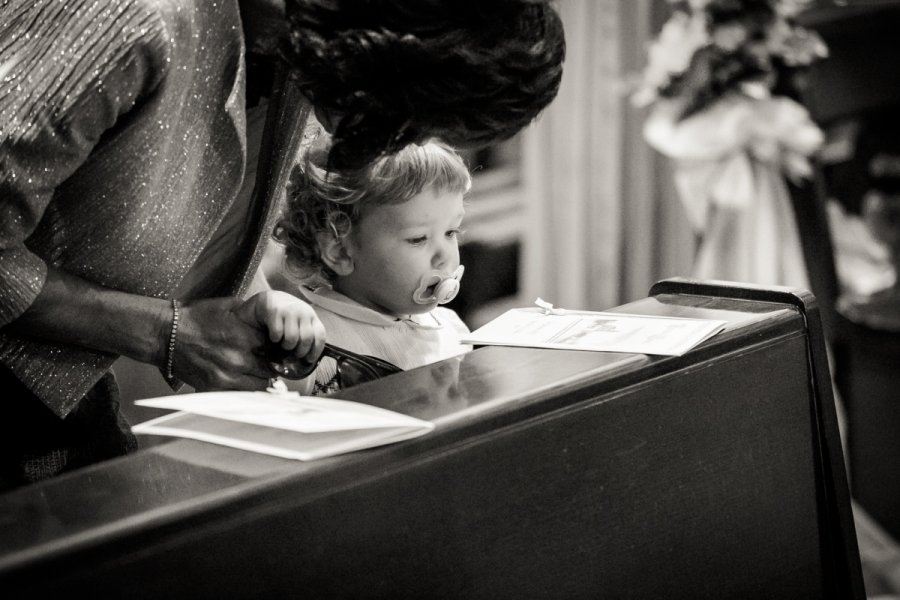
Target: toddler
(377,252)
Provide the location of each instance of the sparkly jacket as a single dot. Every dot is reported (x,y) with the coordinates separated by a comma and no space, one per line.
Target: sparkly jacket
(122,145)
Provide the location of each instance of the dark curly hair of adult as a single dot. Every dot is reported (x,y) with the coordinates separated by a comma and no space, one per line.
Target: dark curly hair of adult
(469,72)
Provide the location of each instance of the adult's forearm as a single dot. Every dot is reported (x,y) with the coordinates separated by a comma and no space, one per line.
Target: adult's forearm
(219,339)
(74,311)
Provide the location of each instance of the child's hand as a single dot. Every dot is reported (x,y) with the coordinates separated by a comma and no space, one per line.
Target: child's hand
(292,326)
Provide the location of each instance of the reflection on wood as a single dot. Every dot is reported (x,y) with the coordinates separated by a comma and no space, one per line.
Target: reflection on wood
(565,474)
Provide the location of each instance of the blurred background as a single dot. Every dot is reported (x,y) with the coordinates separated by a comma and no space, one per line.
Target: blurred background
(579,210)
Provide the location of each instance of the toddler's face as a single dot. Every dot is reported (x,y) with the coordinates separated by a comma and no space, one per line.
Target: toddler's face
(394,246)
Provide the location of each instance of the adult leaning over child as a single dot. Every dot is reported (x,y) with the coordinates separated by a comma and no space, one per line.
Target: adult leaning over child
(123,140)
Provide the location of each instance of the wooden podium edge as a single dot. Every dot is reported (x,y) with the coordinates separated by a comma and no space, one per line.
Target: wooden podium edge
(840,547)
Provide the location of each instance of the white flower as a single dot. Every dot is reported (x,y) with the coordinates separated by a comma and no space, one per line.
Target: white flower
(796,45)
(730,54)
(791,8)
(670,54)
(729,36)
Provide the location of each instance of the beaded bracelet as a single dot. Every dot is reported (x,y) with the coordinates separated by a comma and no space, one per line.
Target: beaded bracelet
(170,349)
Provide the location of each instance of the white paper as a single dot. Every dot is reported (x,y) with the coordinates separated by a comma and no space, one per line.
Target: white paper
(285,410)
(280,424)
(597,331)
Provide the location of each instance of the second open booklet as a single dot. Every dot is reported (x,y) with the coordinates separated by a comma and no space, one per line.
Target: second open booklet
(280,423)
(547,327)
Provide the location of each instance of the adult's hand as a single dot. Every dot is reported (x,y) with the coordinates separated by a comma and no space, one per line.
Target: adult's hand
(219,348)
(220,342)
(223,342)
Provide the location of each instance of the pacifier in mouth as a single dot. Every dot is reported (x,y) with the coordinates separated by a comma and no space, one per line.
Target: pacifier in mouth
(436,287)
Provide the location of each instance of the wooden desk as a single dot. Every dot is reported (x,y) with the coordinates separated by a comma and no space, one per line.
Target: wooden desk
(550,474)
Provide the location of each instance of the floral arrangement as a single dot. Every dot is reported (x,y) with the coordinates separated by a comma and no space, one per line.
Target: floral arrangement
(708,48)
(722,84)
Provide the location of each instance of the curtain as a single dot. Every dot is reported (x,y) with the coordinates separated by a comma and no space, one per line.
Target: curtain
(601,219)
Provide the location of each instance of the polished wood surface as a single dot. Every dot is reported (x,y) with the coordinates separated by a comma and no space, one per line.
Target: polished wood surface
(557,474)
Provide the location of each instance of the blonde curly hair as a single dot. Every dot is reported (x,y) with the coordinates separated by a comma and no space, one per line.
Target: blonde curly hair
(322,201)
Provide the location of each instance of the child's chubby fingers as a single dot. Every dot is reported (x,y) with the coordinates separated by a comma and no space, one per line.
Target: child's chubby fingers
(299,350)
(289,335)
(311,340)
(276,325)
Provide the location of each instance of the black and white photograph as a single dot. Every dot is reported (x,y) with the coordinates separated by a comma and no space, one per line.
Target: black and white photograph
(451,299)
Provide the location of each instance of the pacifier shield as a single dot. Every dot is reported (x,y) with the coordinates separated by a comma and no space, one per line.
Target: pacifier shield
(443,289)
(446,291)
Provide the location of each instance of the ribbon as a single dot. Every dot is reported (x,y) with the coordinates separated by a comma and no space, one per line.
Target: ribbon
(714,151)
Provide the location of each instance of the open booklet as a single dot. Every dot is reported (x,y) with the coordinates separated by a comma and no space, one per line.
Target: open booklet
(280,423)
(546,327)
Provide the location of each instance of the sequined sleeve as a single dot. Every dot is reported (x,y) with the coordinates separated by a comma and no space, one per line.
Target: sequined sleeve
(68,72)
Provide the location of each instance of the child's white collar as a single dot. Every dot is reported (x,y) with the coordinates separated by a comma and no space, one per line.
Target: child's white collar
(340,304)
